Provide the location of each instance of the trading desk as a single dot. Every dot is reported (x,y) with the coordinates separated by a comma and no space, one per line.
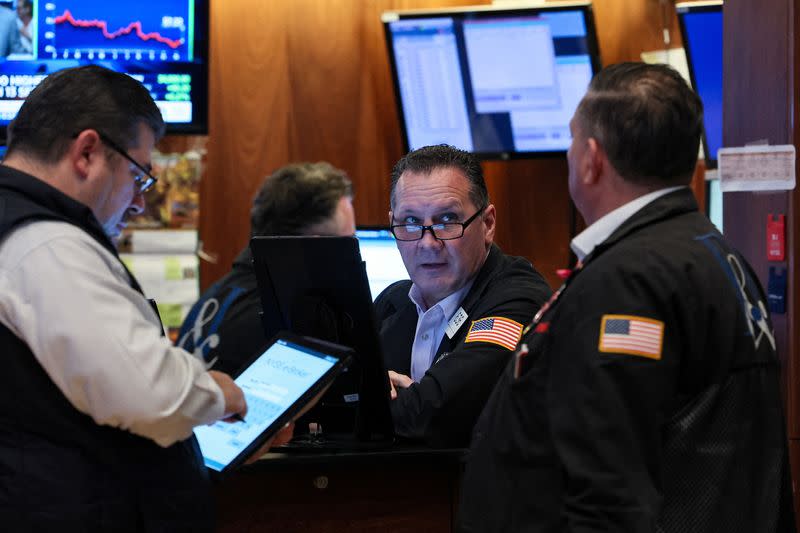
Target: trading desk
(397,490)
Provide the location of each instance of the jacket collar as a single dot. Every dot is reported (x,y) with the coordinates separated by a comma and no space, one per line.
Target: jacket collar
(51,203)
(674,204)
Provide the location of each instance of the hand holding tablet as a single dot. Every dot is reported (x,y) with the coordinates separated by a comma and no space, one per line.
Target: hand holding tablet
(279,384)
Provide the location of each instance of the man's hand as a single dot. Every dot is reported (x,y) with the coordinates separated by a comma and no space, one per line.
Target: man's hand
(398,381)
(235,403)
(282,437)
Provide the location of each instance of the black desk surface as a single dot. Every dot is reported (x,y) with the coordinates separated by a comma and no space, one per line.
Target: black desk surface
(278,458)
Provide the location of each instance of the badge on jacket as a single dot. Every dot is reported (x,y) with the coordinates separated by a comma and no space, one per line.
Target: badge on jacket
(632,335)
(497,330)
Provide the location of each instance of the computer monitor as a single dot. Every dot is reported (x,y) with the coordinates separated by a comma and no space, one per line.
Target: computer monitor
(701,28)
(318,286)
(714,203)
(379,252)
(499,82)
(161,43)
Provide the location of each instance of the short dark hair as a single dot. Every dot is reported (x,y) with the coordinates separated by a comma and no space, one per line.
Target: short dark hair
(647,120)
(424,160)
(296,197)
(76,99)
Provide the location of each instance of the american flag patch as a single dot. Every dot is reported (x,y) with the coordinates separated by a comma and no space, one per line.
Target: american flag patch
(495,329)
(632,335)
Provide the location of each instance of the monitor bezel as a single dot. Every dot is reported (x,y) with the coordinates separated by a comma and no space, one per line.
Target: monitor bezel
(201,104)
(710,6)
(479,12)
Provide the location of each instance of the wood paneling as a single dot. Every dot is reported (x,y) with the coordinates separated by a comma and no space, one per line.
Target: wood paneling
(309,80)
(761,81)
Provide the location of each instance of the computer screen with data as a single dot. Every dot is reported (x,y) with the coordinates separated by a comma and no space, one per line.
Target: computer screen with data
(161,43)
(497,82)
(384,264)
(701,27)
(272,384)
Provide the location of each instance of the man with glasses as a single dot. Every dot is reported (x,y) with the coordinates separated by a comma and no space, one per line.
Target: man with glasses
(97,406)
(449,331)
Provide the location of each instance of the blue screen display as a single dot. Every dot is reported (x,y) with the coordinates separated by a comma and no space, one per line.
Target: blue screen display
(384,264)
(271,385)
(161,43)
(703,40)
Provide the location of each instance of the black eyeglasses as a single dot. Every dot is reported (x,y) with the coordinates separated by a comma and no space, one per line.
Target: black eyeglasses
(145,180)
(444,231)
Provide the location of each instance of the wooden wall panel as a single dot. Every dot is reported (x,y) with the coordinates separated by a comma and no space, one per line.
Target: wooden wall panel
(761,88)
(309,80)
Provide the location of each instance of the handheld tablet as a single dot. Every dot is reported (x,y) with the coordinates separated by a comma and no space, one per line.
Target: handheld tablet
(277,385)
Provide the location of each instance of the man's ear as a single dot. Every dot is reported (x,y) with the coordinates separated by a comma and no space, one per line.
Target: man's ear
(489,220)
(85,151)
(596,159)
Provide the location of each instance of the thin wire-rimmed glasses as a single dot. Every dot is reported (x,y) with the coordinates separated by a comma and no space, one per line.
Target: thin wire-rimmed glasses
(443,231)
(145,180)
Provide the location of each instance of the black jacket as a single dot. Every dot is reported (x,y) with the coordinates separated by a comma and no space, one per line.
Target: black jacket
(224,327)
(442,408)
(597,429)
(59,470)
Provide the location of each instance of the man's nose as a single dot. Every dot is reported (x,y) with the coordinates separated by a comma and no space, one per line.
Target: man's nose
(137,204)
(428,239)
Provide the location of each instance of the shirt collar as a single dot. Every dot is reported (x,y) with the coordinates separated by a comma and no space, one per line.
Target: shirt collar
(588,239)
(448,305)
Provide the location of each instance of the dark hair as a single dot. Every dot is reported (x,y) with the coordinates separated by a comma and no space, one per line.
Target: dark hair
(72,100)
(424,160)
(647,120)
(26,7)
(296,197)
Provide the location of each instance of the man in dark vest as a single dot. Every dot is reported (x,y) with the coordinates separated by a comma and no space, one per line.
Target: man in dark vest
(97,406)
(645,396)
(449,331)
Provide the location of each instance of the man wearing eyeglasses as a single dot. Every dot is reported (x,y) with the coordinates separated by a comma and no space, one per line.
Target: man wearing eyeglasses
(449,331)
(97,406)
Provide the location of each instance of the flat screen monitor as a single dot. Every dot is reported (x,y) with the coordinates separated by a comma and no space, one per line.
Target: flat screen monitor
(317,286)
(379,252)
(161,43)
(701,28)
(498,82)
(714,203)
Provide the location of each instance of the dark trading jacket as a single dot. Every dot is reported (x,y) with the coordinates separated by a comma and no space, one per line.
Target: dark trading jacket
(584,440)
(442,408)
(59,470)
(224,327)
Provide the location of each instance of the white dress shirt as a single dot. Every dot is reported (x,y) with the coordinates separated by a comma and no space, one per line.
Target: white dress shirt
(99,340)
(431,327)
(588,239)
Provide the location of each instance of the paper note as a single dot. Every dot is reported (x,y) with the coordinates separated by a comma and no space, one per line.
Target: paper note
(757,168)
(164,241)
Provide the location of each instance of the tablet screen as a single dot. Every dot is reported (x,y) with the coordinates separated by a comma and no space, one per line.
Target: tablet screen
(271,384)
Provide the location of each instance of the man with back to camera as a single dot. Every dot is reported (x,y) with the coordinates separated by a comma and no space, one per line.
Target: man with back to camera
(646,396)
(224,328)
(96,432)
(449,331)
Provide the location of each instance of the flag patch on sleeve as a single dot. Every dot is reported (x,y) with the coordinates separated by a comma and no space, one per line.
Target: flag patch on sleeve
(632,335)
(497,330)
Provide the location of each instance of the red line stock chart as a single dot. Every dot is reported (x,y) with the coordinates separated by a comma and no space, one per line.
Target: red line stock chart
(145,30)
